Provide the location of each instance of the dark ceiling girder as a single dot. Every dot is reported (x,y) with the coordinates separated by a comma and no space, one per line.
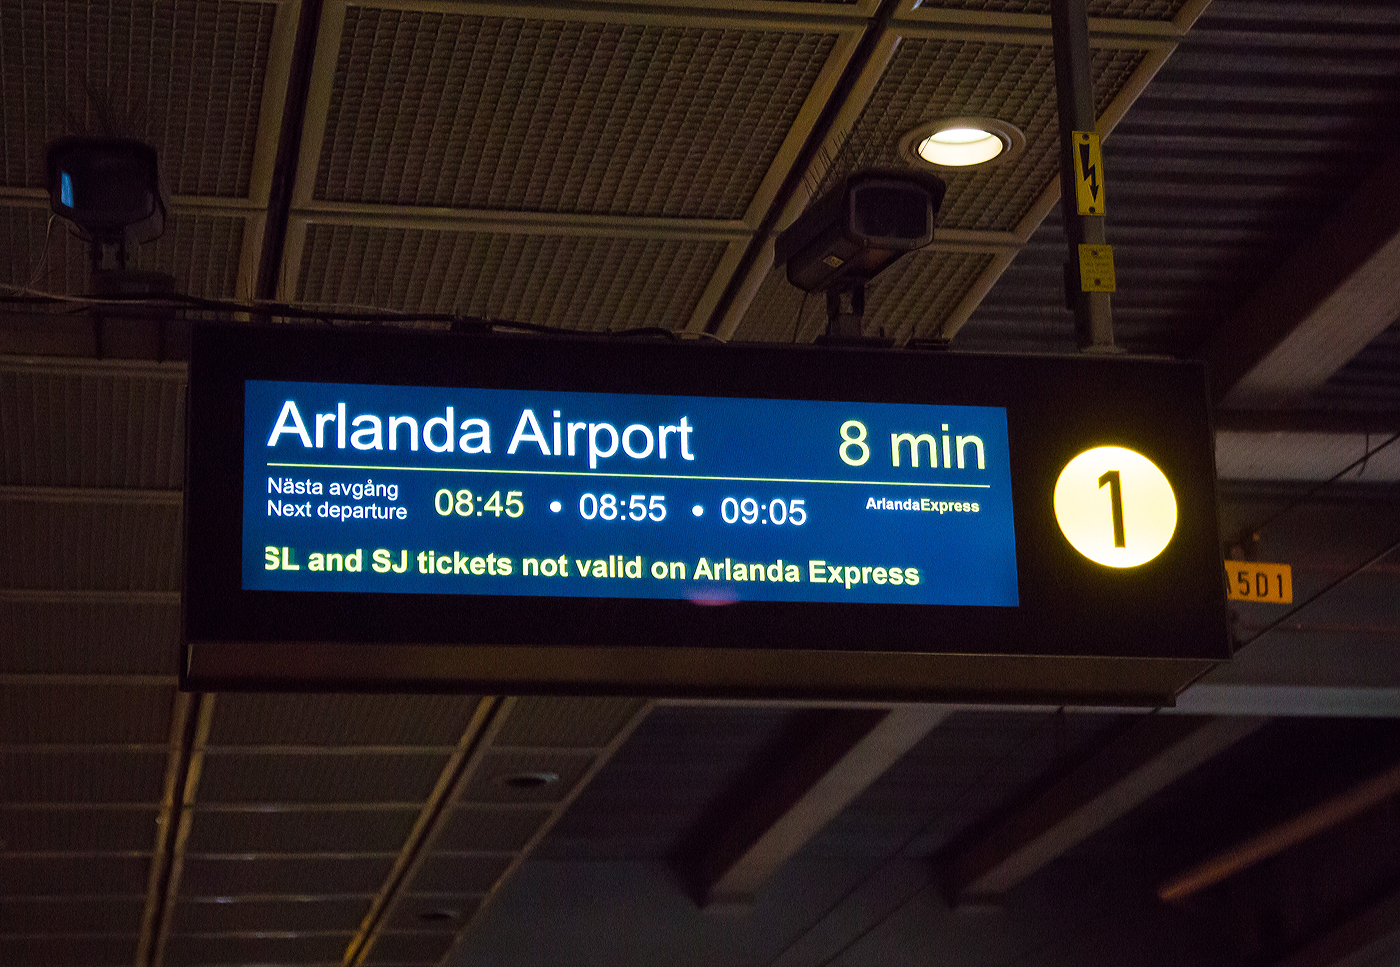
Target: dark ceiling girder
(1335,811)
(841,760)
(1154,752)
(1331,297)
(284,170)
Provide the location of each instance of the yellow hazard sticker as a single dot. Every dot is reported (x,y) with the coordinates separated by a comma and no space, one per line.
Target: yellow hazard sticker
(1252,581)
(1096,269)
(1088,173)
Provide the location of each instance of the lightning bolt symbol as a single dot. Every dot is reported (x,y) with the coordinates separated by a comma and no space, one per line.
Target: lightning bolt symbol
(1091,172)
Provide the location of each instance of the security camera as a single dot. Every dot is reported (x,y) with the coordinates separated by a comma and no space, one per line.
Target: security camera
(110,188)
(859,227)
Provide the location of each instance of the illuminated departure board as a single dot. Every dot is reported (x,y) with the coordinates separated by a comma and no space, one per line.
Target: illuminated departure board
(473,491)
(381,509)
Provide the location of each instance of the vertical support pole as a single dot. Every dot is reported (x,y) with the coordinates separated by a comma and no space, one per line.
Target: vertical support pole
(1074,94)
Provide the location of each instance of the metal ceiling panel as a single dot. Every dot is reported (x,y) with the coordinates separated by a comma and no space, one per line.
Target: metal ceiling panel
(536,115)
(663,782)
(1304,456)
(78,831)
(468,828)
(396,947)
(1015,83)
(319,778)
(301,831)
(491,782)
(71,714)
(186,75)
(456,874)
(911,298)
(81,775)
(80,876)
(341,720)
(61,951)
(120,637)
(773,314)
(565,722)
(110,915)
(919,292)
(200,251)
(291,876)
(972,765)
(97,426)
(577,282)
(89,545)
(33,255)
(415,912)
(236,951)
(284,914)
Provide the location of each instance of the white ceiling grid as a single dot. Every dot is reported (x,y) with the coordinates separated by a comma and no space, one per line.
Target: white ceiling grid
(477,120)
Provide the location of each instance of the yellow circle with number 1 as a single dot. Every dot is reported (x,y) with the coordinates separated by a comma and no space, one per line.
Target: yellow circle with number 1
(1115,506)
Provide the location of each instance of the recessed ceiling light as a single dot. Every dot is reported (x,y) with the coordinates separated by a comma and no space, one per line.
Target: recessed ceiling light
(960,147)
(530,780)
(962,142)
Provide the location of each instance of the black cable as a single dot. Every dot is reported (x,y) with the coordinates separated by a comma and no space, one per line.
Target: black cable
(1308,495)
(327,315)
(317,313)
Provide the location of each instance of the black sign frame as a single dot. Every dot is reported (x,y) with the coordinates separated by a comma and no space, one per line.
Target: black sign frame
(1082,633)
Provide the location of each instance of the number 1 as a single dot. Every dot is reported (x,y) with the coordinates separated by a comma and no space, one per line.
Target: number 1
(1115,495)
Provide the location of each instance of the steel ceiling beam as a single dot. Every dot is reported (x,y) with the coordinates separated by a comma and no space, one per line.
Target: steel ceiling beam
(275,80)
(189,736)
(485,721)
(283,177)
(840,762)
(492,715)
(1331,297)
(1155,752)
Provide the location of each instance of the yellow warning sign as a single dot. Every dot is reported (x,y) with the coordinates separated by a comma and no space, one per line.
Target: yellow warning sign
(1088,173)
(1252,581)
(1096,269)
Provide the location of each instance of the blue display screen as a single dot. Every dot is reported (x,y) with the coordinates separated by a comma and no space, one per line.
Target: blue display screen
(428,490)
